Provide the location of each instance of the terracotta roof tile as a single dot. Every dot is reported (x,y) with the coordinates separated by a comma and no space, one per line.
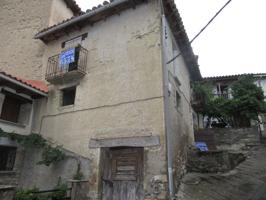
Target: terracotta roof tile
(72,4)
(39,85)
(233,76)
(105,3)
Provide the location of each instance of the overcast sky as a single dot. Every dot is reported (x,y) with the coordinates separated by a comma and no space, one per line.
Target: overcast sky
(235,41)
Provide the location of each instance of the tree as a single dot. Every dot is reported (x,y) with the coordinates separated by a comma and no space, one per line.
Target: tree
(247,102)
(208,105)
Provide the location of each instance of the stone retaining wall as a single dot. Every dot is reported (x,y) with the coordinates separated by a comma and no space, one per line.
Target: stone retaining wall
(227,138)
(6,192)
(213,161)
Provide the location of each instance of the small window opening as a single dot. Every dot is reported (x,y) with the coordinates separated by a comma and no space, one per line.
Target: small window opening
(74,41)
(15,109)
(7,158)
(177,99)
(68,96)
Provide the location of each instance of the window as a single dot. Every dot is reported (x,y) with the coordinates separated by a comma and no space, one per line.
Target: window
(177,99)
(74,41)
(68,96)
(7,158)
(15,108)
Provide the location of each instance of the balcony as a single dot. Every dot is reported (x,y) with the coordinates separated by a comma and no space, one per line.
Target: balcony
(67,66)
(197,102)
(222,95)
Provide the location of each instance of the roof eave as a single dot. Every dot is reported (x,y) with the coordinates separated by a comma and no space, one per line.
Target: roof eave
(182,39)
(41,35)
(25,86)
(233,77)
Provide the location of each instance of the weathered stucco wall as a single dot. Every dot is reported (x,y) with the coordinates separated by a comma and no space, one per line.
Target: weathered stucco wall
(121,95)
(47,177)
(180,126)
(59,12)
(21,55)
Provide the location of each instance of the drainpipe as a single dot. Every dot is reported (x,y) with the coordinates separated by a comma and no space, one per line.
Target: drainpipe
(166,95)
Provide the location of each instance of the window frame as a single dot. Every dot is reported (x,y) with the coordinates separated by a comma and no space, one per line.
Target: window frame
(9,160)
(20,102)
(68,89)
(82,37)
(177,99)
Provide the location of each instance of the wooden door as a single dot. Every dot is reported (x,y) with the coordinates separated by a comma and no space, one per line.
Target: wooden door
(123,174)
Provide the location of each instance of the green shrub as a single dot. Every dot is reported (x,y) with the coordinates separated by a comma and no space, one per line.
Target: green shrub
(26,194)
(60,193)
(32,194)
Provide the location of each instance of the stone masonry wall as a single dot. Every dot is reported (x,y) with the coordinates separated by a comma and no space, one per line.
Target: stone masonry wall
(228,139)
(6,193)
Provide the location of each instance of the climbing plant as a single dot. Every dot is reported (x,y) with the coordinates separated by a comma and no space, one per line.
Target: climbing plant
(50,154)
(78,175)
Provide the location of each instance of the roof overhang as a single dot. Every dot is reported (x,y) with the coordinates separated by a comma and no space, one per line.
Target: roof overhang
(115,7)
(20,87)
(174,19)
(233,77)
(90,17)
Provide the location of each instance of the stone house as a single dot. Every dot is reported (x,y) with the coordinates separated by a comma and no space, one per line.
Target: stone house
(111,97)
(220,86)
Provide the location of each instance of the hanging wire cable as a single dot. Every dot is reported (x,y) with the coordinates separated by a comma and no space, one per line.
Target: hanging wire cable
(197,35)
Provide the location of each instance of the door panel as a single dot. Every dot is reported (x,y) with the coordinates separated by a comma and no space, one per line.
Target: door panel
(123,174)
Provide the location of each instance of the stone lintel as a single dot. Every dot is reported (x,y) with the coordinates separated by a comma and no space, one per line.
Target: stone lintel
(141,141)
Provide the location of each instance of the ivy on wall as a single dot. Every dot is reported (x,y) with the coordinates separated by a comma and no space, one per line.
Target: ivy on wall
(50,154)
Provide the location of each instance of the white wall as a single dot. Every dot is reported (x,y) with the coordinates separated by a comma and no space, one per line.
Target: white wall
(262,83)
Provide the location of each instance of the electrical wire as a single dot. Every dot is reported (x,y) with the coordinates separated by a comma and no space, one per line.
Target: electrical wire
(197,35)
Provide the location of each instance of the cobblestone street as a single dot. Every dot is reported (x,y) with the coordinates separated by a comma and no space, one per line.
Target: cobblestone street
(246,182)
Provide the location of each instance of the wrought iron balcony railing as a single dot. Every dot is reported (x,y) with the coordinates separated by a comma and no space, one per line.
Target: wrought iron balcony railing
(69,65)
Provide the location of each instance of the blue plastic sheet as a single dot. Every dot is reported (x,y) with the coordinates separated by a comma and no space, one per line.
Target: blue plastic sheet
(67,57)
(202,146)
